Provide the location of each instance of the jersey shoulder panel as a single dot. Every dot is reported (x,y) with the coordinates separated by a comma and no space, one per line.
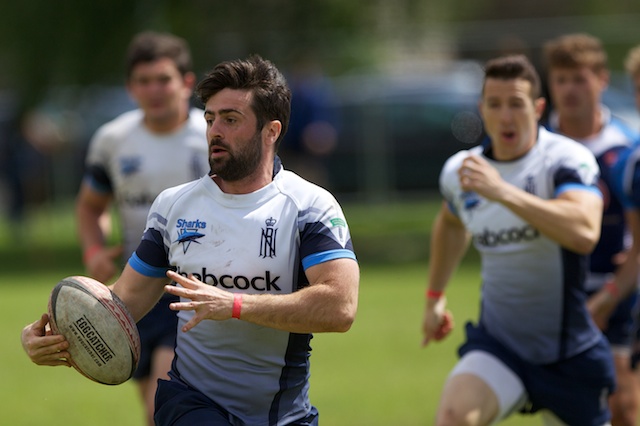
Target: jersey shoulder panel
(448,180)
(302,192)
(569,158)
(112,132)
(321,222)
(624,128)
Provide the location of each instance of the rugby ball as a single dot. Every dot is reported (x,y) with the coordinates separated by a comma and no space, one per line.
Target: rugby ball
(104,343)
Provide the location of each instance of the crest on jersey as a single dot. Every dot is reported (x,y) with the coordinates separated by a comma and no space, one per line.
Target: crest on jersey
(470,200)
(530,185)
(130,165)
(189,231)
(268,239)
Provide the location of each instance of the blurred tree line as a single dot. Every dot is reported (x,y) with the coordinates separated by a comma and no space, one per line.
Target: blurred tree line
(79,44)
(44,43)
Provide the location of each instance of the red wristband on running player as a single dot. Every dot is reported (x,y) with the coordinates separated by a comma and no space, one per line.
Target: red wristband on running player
(90,252)
(434,294)
(612,288)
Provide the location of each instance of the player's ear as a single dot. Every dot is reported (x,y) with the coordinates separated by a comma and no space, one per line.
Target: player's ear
(189,80)
(539,105)
(271,131)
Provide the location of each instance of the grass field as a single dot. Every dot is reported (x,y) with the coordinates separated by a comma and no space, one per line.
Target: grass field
(376,374)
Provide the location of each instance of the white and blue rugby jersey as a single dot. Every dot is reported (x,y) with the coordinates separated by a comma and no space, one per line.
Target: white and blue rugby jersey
(533,296)
(127,160)
(251,243)
(614,138)
(626,172)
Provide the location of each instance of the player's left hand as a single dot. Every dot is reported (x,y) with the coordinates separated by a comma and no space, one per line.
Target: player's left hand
(477,175)
(601,305)
(437,322)
(207,302)
(42,346)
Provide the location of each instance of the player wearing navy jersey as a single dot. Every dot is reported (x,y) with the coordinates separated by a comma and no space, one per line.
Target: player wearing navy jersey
(262,259)
(129,162)
(528,199)
(577,77)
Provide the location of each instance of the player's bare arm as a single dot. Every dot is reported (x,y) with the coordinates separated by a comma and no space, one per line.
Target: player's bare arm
(572,220)
(449,242)
(43,347)
(627,274)
(138,292)
(328,304)
(602,303)
(100,261)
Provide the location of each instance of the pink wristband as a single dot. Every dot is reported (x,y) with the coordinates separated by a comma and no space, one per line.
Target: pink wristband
(612,288)
(90,252)
(237,305)
(433,294)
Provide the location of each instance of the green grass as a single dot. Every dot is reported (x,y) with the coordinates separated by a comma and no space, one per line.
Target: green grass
(376,374)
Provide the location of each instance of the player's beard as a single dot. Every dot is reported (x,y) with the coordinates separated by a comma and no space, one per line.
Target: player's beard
(239,163)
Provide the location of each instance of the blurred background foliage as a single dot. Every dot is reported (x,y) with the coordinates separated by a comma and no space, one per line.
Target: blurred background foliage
(45,43)
(400,80)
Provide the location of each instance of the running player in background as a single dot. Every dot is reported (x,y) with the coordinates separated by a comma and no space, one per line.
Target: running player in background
(629,188)
(632,66)
(130,161)
(263,259)
(577,76)
(528,199)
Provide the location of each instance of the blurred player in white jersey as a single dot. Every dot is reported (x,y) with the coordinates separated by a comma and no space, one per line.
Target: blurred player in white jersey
(262,259)
(130,161)
(577,77)
(529,200)
(632,66)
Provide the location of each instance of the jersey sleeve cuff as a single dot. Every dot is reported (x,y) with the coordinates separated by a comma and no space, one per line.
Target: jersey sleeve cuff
(145,269)
(325,256)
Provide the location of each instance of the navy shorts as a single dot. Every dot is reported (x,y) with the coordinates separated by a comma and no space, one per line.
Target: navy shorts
(157,329)
(620,328)
(178,404)
(576,390)
(635,348)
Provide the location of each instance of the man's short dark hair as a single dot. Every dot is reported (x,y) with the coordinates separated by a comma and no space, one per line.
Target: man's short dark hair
(575,51)
(271,94)
(512,67)
(150,46)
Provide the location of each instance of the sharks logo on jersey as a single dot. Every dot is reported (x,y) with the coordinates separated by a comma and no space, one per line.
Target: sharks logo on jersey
(470,200)
(189,231)
(130,165)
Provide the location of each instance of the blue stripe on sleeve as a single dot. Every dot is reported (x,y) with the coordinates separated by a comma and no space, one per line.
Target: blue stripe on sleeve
(577,187)
(145,269)
(325,256)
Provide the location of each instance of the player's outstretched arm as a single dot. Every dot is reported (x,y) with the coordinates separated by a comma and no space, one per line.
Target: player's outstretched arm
(328,304)
(43,347)
(602,304)
(449,242)
(100,262)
